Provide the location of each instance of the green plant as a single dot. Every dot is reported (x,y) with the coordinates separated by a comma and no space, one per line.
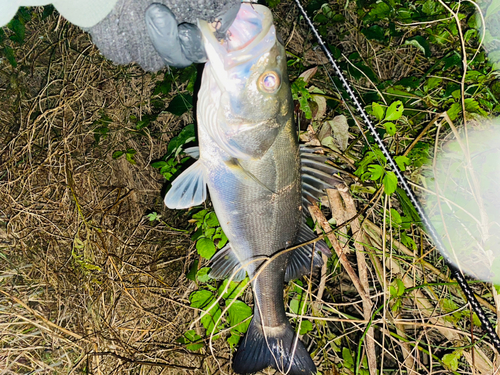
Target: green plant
(209,237)
(170,163)
(17,35)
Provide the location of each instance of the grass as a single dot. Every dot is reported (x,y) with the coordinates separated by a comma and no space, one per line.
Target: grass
(90,282)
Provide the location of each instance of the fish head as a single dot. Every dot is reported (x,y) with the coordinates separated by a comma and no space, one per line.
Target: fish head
(250,75)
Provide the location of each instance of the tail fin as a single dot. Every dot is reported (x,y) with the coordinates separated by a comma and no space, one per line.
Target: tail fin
(256,353)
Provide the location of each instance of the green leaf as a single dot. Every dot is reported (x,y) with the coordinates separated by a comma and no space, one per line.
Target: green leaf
(117,154)
(220,238)
(454,60)
(186,135)
(205,247)
(395,216)
(239,311)
(298,304)
(408,241)
(234,339)
(402,161)
(429,7)
(390,127)
(421,43)
(210,318)
(390,182)
(9,54)
(201,299)
(234,290)
(374,32)
(378,111)
(381,10)
(432,83)
(472,106)
(208,232)
(454,111)
(271,4)
(202,275)
(305,326)
(200,215)
(395,111)
(300,93)
(159,164)
(376,171)
(211,220)
(191,275)
(451,359)
(347,357)
(180,104)
(401,287)
(163,87)
(190,339)
(153,216)
(19,30)
(130,157)
(314,5)
(47,11)
(393,291)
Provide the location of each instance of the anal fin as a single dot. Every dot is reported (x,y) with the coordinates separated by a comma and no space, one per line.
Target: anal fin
(224,263)
(300,261)
(189,189)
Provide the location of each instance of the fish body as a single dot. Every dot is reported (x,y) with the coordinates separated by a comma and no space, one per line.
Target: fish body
(250,160)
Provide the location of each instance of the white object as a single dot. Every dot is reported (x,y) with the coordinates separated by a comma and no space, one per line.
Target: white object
(81,13)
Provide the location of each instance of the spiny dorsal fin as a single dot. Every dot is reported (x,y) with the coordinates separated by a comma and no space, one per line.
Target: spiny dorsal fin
(316,174)
(189,189)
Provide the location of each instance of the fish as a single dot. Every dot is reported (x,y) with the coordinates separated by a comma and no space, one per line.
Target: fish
(260,182)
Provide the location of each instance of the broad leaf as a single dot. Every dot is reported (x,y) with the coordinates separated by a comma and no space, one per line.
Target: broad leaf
(205,247)
(180,104)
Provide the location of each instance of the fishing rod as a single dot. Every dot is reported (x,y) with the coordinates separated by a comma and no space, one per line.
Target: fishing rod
(455,271)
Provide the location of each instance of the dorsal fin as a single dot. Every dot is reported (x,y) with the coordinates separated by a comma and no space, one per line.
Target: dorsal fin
(316,174)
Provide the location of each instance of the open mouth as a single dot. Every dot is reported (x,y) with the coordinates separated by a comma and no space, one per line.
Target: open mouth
(247,26)
(242,42)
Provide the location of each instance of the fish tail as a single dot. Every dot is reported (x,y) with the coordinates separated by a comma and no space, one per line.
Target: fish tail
(279,349)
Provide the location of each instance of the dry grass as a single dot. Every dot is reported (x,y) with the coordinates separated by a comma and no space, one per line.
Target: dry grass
(89,285)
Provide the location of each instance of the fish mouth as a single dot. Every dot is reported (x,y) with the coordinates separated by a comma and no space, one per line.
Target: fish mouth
(251,34)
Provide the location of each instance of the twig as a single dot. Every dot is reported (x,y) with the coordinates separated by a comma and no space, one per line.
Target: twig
(320,218)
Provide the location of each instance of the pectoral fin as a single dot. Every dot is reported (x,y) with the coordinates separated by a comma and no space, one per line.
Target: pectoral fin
(189,189)
(244,175)
(194,152)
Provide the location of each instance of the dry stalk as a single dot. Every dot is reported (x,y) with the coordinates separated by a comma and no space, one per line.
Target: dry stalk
(427,309)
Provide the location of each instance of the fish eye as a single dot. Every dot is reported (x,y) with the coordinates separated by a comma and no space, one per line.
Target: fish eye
(269,81)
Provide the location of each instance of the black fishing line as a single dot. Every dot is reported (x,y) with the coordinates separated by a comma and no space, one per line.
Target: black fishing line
(455,271)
